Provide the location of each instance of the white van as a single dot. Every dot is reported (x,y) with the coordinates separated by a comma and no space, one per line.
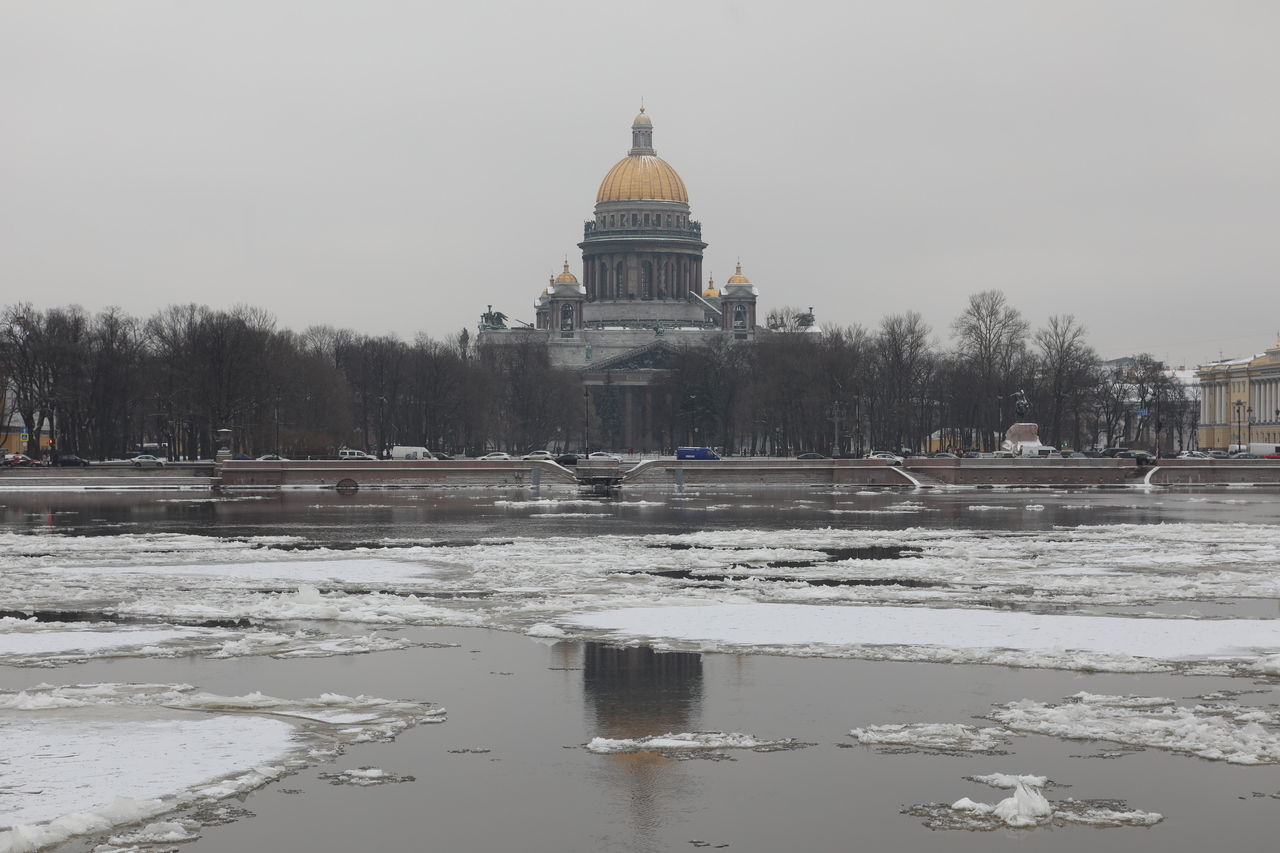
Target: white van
(419,454)
(356,455)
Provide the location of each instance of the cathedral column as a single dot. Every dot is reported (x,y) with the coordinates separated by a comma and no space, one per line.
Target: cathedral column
(628,423)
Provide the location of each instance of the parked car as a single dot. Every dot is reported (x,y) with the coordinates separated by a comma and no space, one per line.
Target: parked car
(355,456)
(1143,457)
(272,457)
(1003,454)
(1217,454)
(943,456)
(703,453)
(496,457)
(546,455)
(1092,454)
(442,457)
(1192,454)
(811,456)
(1245,456)
(70,460)
(602,456)
(567,459)
(891,458)
(14,460)
(146,460)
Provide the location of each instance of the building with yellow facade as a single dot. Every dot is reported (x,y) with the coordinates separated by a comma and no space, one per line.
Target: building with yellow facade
(1240,401)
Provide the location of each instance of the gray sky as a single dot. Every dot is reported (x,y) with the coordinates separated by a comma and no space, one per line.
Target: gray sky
(395,166)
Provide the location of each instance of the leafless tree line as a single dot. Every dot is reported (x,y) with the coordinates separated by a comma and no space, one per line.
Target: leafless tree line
(189,379)
(850,390)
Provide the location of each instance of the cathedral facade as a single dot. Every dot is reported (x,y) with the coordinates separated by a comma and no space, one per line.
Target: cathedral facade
(640,296)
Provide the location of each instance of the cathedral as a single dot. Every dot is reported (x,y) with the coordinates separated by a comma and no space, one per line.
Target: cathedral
(640,296)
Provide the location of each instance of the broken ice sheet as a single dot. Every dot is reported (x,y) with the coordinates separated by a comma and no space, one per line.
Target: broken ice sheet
(82,759)
(1027,807)
(26,642)
(690,742)
(1222,732)
(935,737)
(364,777)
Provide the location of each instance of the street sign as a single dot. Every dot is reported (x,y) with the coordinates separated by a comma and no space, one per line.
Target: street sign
(24,437)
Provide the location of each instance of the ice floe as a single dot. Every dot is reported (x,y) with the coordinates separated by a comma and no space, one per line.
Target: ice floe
(364,777)
(82,759)
(689,742)
(1220,731)
(1066,641)
(1027,807)
(934,737)
(27,642)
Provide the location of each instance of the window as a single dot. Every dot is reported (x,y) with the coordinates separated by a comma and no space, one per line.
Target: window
(635,220)
(646,219)
(612,222)
(668,220)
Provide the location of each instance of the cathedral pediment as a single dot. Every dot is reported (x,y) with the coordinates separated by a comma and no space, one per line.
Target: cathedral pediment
(658,355)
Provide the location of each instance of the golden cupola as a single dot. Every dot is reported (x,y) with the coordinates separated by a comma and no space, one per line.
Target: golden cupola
(711,292)
(738,277)
(642,175)
(565,277)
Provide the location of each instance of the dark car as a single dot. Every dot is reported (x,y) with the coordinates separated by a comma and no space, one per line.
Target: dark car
(1246,456)
(812,456)
(567,459)
(70,460)
(442,457)
(1143,457)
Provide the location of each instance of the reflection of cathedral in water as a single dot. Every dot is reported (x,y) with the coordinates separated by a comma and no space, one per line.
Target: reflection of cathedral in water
(636,692)
(641,294)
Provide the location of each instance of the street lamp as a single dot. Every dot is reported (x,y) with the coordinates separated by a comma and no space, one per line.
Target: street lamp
(1239,404)
(1249,429)
(586,417)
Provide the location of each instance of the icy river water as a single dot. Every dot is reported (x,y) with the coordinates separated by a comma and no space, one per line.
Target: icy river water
(778,670)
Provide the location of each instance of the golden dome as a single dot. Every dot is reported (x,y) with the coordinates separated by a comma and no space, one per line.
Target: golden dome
(711,292)
(642,177)
(641,119)
(566,277)
(738,277)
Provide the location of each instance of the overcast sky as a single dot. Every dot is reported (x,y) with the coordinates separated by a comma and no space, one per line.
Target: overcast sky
(394,166)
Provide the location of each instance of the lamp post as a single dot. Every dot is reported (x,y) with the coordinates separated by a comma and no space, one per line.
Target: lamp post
(586,417)
(1248,429)
(1239,404)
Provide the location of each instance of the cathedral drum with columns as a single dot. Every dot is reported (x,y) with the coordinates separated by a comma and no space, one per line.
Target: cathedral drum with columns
(640,295)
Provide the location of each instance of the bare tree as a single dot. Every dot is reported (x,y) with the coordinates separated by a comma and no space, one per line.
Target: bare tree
(991,341)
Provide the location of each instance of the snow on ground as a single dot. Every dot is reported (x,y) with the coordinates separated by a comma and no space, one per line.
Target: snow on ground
(26,642)
(84,758)
(538,583)
(1219,731)
(689,742)
(1111,643)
